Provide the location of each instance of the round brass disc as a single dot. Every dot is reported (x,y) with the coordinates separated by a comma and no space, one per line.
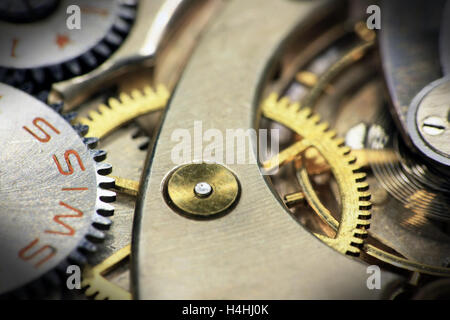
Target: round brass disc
(180,189)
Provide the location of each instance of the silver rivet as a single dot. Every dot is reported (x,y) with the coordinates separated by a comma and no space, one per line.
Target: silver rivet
(203,189)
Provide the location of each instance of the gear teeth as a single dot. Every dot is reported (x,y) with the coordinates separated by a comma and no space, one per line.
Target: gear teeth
(95,234)
(89,59)
(43,96)
(364,196)
(136,94)
(101,222)
(102,50)
(363,224)
(77,258)
(122,25)
(365,205)
(362,186)
(27,87)
(314,118)
(90,142)
(3,72)
(81,129)
(18,76)
(104,209)
(351,160)
(142,142)
(57,72)
(127,13)
(87,246)
(360,176)
(98,155)
(91,292)
(330,134)
(124,109)
(307,124)
(114,103)
(360,233)
(114,38)
(340,142)
(323,126)
(103,169)
(74,67)
(106,182)
(345,150)
(304,113)
(38,75)
(107,196)
(41,77)
(70,116)
(353,251)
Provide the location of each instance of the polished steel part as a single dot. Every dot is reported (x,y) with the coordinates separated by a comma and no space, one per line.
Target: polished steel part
(258,250)
(153,21)
(26,10)
(418,185)
(126,155)
(409,50)
(49,43)
(51,191)
(428,121)
(107,275)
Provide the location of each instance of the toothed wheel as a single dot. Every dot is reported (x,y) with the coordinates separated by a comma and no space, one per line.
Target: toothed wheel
(355,214)
(53,204)
(46,50)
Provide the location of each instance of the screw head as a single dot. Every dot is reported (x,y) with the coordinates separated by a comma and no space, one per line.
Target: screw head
(434,126)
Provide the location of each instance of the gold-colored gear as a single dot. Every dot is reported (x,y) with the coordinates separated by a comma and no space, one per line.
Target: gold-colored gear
(351,230)
(97,286)
(118,112)
(316,162)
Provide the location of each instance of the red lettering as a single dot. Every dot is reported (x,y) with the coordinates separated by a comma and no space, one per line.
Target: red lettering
(47,136)
(58,218)
(23,253)
(69,165)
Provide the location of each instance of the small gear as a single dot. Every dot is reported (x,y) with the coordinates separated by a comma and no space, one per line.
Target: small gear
(43,49)
(123,110)
(351,230)
(54,204)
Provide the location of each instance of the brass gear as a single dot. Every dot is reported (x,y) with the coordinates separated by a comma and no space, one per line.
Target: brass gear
(351,230)
(128,107)
(290,114)
(98,286)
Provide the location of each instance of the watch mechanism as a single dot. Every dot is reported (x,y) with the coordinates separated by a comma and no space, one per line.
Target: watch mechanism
(224,150)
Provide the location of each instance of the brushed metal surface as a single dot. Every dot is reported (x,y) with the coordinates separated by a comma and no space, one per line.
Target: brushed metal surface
(32,190)
(257,251)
